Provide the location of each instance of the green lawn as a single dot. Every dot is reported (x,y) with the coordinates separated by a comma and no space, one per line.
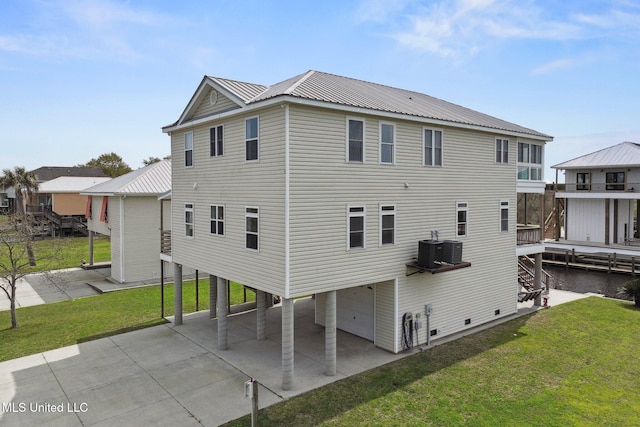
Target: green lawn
(573,365)
(49,326)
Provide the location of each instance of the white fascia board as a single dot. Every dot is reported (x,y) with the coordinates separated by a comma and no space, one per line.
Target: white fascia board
(351,110)
(598,195)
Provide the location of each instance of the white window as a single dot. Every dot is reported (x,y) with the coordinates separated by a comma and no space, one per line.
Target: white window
(387,225)
(355,140)
(251,138)
(387,146)
(502,150)
(530,162)
(217,220)
(432,147)
(504,216)
(216,141)
(462,213)
(355,227)
(188,149)
(188,219)
(252,216)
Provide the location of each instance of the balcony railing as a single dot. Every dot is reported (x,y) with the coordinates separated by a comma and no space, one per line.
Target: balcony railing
(165,242)
(620,187)
(529,234)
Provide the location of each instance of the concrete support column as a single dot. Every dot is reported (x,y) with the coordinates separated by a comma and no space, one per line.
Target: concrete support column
(213,295)
(222,314)
(287,343)
(261,312)
(537,280)
(91,257)
(177,294)
(330,334)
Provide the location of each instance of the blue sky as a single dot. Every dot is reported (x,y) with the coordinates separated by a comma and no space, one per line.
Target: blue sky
(82,78)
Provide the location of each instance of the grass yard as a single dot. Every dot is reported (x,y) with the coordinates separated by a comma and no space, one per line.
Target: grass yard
(49,326)
(573,365)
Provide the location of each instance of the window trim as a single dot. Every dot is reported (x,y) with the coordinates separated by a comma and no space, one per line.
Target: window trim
(462,207)
(216,147)
(189,207)
(526,169)
(217,220)
(504,206)
(364,139)
(586,185)
(393,143)
(433,155)
(357,213)
(256,139)
(615,185)
(504,143)
(256,215)
(188,150)
(390,212)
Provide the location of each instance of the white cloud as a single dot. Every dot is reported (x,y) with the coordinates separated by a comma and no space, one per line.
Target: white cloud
(552,66)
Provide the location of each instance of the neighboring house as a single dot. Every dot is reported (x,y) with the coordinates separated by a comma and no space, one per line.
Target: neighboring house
(62,194)
(601,195)
(325,185)
(127,209)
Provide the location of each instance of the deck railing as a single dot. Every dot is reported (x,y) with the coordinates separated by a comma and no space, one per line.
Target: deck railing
(165,241)
(529,234)
(620,187)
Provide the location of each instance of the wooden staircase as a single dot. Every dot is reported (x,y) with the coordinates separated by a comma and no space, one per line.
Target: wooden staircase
(526,279)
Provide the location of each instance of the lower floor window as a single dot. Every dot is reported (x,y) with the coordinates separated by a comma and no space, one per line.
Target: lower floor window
(188,219)
(252,227)
(387,225)
(217,220)
(504,216)
(355,226)
(462,209)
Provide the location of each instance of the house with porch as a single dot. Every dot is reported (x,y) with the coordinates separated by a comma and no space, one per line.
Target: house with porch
(601,196)
(127,209)
(394,209)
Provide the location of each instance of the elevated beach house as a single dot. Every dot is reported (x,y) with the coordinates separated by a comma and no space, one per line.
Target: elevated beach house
(601,195)
(396,210)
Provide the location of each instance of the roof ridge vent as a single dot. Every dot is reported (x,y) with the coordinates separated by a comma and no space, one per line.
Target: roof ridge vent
(299,82)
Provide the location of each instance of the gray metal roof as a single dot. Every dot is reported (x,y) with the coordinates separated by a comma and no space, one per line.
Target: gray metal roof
(625,154)
(333,89)
(70,184)
(152,180)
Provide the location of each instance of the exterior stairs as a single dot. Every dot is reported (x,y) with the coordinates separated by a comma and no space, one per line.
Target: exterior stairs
(526,279)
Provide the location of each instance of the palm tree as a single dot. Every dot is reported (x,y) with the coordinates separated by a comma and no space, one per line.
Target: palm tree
(632,289)
(24,183)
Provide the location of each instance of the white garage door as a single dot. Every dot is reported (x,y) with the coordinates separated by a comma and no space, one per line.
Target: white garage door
(355,311)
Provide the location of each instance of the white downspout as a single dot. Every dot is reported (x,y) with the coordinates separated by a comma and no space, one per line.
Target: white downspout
(122,245)
(287,176)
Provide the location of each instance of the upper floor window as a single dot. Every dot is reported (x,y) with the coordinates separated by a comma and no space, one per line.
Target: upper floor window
(615,180)
(583,181)
(188,149)
(355,226)
(387,225)
(502,150)
(504,216)
(462,211)
(217,220)
(529,161)
(216,141)
(251,138)
(355,140)
(432,147)
(188,219)
(252,217)
(387,139)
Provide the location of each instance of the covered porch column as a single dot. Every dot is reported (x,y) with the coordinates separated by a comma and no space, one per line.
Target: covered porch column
(537,279)
(213,295)
(222,314)
(330,334)
(287,343)
(91,257)
(177,294)
(261,313)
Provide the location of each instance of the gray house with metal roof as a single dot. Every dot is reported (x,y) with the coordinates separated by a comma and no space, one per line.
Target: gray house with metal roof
(378,201)
(127,209)
(601,195)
